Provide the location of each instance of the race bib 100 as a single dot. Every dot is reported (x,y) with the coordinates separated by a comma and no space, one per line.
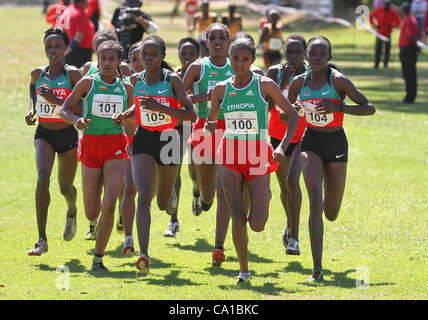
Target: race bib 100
(241,122)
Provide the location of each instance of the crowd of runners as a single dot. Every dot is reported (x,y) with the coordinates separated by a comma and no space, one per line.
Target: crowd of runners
(129,125)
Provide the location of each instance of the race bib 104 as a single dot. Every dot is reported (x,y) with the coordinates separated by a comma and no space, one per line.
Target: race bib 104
(315,118)
(241,122)
(106,105)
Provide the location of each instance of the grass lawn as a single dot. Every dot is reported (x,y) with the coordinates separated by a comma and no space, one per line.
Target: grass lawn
(379,237)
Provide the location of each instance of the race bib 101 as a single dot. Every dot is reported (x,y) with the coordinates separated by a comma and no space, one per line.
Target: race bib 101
(106,105)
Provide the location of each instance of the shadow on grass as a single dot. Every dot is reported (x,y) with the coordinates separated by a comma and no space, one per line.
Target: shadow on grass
(116,253)
(268,288)
(338,279)
(170,280)
(201,245)
(74,266)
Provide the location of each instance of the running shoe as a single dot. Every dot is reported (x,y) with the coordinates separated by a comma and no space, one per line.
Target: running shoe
(97,265)
(70,228)
(293,247)
(92,232)
(119,224)
(40,247)
(173,227)
(286,237)
(196,204)
(128,246)
(173,205)
(317,276)
(218,256)
(243,277)
(143,264)
(206,206)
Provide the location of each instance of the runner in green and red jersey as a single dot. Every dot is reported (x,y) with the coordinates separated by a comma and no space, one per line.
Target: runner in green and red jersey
(288,173)
(245,155)
(324,146)
(103,147)
(158,95)
(50,86)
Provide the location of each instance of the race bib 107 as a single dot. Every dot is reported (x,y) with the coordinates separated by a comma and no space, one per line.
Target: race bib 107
(46,109)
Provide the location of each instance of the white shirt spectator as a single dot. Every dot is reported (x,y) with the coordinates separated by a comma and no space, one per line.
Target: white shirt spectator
(418,8)
(378,3)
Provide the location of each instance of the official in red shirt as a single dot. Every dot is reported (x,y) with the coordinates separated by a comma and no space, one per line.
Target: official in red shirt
(80,30)
(56,10)
(94,13)
(409,35)
(385,19)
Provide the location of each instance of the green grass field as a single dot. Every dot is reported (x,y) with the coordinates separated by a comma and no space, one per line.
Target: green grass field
(379,237)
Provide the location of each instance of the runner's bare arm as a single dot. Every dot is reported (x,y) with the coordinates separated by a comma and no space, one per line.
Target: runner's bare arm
(270,89)
(80,90)
(216,100)
(345,87)
(29,117)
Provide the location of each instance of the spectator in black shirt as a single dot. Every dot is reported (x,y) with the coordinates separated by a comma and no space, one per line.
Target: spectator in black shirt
(130,24)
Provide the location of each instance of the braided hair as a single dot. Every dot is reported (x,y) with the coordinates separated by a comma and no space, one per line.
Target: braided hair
(57,31)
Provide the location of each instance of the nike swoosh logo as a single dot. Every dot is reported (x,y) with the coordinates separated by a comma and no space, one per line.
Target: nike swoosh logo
(339,156)
(61,83)
(324,93)
(160,92)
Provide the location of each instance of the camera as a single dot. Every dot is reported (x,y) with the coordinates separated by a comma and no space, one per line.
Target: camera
(126,17)
(126,25)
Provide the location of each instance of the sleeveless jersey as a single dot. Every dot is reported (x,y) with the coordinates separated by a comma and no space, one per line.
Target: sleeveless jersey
(210,76)
(93,69)
(102,102)
(234,25)
(310,97)
(275,42)
(61,87)
(191,6)
(204,24)
(245,111)
(277,128)
(162,92)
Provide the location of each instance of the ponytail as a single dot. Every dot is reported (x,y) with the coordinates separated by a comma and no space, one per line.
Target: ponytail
(166,65)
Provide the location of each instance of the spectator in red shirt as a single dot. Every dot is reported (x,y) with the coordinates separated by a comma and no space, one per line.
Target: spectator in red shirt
(94,13)
(56,10)
(80,30)
(385,19)
(409,35)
